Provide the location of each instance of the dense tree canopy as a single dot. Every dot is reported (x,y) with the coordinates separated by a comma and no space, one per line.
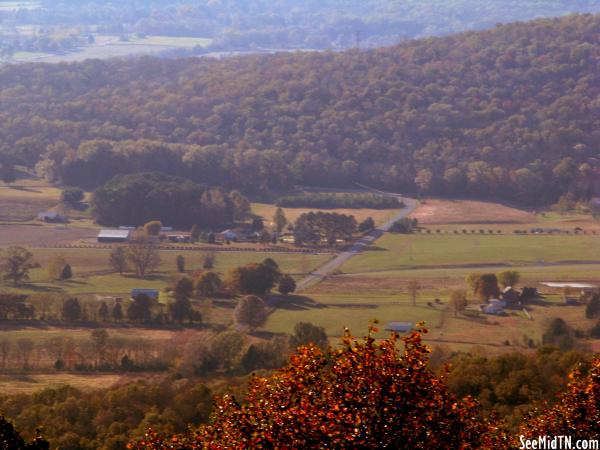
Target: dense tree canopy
(138,198)
(511,112)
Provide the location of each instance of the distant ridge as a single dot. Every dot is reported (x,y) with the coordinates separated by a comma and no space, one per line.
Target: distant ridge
(510,113)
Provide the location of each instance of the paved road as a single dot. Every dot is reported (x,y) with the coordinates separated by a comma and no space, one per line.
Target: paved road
(359,246)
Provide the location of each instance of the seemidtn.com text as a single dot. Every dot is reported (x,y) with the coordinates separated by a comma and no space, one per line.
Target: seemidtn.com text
(558,442)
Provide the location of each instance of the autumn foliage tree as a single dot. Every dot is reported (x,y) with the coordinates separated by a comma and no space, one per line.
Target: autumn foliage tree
(576,414)
(363,395)
(10,439)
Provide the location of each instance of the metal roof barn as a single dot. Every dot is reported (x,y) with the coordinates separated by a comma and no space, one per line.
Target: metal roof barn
(114,235)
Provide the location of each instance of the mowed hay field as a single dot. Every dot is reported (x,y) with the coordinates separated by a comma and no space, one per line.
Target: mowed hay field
(397,251)
(37,234)
(25,199)
(30,383)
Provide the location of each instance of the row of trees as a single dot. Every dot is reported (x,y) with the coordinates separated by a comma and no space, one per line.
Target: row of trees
(338,200)
(450,116)
(108,418)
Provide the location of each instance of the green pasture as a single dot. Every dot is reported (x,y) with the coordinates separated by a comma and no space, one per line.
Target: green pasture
(558,272)
(92,273)
(395,251)
(355,317)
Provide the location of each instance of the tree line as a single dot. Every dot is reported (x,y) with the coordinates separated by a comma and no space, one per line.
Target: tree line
(339,200)
(506,113)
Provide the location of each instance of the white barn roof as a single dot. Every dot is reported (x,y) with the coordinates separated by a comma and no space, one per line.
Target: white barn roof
(114,234)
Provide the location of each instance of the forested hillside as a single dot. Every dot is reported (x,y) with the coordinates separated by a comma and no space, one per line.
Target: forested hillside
(511,113)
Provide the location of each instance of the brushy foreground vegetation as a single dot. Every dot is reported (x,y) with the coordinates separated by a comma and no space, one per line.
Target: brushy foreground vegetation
(363,393)
(507,113)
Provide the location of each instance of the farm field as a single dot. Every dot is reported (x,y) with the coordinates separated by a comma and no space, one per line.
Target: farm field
(23,201)
(267,211)
(109,46)
(374,284)
(92,273)
(30,383)
(396,251)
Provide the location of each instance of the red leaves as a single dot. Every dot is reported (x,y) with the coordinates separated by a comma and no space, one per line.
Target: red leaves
(577,413)
(364,395)
(369,395)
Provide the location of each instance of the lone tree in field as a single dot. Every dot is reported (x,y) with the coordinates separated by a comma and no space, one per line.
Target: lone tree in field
(279,220)
(181,309)
(509,278)
(306,333)
(143,255)
(253,278)
(413,288)
(15,264)
(180,262)
(458,301)
(153,227)
(208,260)
(250,312)
(286,285)
(118,259)
(72,196)
(366,225)
(71,310)
(208,284)
(485,286)
(57,268)
(67,272)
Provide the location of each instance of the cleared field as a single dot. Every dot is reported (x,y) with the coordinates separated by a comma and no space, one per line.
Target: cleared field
(267,211)
(27,384)
(42,334)
(110,46)
(37,234)
(24,200)
(434,211)
(356,317)
(374,284)
(394,251)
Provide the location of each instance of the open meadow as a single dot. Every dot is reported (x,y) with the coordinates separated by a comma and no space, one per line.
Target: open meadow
(375,283)
(111,46)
